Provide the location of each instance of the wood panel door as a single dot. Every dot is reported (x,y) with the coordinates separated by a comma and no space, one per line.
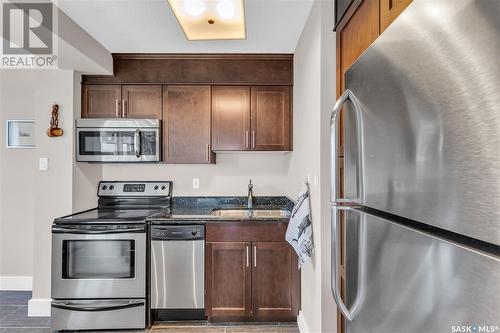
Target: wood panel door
(141,101)
(270,118)
(354,35)
(228,281)
(101,101)
(230,118)
(186,124)
(275,282)
(389,10)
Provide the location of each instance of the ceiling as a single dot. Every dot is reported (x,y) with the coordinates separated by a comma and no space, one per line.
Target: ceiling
(149,26)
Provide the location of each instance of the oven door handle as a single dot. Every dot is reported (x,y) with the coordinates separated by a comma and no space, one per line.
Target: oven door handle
(62,230)
(82,307)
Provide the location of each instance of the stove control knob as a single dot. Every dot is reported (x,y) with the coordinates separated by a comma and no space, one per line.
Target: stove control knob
(104,188)
(111,187)
(163,187)
(156,187)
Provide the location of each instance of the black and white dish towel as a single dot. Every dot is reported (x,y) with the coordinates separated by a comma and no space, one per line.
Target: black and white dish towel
(299,232)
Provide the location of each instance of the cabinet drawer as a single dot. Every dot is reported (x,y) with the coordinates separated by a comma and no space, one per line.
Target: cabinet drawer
(246,231)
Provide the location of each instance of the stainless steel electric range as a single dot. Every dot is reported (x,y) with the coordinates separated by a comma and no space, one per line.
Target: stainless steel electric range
(99,258)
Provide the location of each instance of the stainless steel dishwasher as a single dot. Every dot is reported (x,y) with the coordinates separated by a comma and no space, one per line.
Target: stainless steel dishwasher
(177,272)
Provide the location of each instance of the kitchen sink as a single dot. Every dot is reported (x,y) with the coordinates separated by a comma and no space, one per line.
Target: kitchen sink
(250,213)
(231,213)
(270,213)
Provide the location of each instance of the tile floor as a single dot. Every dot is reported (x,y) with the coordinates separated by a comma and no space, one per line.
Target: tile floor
(14,319)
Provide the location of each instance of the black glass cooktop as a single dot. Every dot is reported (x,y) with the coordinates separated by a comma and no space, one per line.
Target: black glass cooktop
(109,216)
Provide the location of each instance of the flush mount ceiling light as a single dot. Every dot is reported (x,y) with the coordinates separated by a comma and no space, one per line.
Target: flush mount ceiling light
(210,19)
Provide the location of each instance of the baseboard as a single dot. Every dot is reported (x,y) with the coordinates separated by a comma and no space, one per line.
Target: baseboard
(301,323)
(39,307)
(21,283)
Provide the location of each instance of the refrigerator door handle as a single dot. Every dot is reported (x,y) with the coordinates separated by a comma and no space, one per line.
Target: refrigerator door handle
(349,314)
(334,121)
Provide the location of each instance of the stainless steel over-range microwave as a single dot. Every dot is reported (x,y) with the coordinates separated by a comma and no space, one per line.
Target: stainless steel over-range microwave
(118,140)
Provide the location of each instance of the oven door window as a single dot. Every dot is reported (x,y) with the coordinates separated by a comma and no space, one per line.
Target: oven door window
(106,142)
(98,259)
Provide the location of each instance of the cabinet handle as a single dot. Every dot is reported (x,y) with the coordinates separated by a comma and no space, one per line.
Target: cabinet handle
(248,257)
(123,109)
(247,134)
(117,108)
(253,139)
(255,256)
(207,152)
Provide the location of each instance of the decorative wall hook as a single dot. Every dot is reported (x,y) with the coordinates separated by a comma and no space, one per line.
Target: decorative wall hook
(54,130)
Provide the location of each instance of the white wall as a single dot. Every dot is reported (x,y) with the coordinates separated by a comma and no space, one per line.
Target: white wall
(31,199)
(17,175)
(328,98)
(53,188)
(268,171)
(314,96)
(306,154)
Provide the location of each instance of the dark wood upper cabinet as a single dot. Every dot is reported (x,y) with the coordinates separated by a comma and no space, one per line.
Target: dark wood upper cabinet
(101,101)
(141,101)
(217,69)
(186,124)
(275,279)
(270,118)
(389,10)
(228,280)
(230,118)
(353,38)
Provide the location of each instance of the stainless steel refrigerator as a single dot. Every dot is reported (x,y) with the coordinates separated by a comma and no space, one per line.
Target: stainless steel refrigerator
(422,174)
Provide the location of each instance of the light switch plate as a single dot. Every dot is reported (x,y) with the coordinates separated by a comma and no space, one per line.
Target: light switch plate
(196,183)
(43,164)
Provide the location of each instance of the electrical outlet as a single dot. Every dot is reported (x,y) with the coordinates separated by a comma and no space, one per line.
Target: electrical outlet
(196,183)
(43,164)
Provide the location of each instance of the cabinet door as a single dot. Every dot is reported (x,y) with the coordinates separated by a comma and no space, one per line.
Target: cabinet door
(353,39)
(186,124)
(101,101)
(275,282)
(230,118)
(228,281)
(389,10)
(141,101)
(270,118)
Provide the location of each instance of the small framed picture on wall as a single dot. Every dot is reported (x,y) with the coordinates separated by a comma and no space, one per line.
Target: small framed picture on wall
(20,134)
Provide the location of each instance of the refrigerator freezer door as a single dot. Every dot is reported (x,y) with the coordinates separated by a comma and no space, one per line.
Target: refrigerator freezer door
(413,282)
(429,90)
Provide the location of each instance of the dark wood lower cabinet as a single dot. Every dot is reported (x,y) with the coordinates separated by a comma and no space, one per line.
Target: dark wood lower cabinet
(247,279)
(228,281)
(274,282)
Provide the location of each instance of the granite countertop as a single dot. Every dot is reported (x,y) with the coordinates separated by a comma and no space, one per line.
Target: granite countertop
(198,209)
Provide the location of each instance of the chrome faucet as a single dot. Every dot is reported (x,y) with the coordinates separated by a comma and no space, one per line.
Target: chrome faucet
(250,196)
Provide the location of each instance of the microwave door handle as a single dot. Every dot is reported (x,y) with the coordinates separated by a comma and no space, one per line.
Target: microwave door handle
(81,307)
(137,143)
(62,230)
